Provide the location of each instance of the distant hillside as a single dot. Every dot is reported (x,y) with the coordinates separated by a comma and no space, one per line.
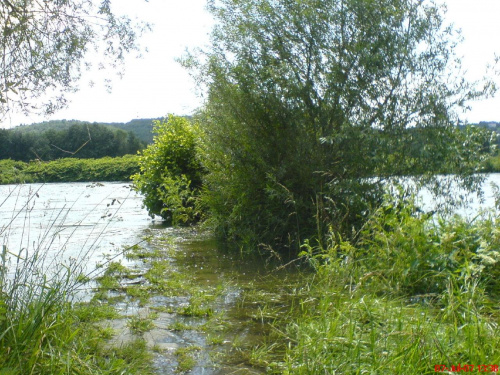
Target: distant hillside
(142,128)
(62,139)
(48,125)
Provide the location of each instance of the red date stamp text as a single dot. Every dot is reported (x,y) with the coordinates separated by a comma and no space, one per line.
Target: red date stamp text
(466,368)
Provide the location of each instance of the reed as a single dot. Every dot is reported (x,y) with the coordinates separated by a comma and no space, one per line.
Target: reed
(42,328)
(414,292)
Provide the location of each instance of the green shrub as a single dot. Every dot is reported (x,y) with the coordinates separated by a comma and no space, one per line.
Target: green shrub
(492,164)
(411,253)
(170,174)
(12,172)
(300,136)
(74,170)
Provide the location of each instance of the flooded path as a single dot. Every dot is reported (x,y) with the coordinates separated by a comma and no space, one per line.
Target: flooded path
(204,310)
(200,309)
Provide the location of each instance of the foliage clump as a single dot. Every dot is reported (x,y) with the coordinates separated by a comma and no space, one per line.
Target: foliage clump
(171,173)
(413,292)
(44,48)
(69,170)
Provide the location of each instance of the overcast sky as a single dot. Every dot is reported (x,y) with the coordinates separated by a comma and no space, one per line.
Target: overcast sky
(156,84)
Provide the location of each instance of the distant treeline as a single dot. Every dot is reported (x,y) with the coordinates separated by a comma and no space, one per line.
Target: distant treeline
(59,139)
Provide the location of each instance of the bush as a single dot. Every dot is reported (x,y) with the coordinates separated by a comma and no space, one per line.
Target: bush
(170,174)
(304,122)
(491,165)
(12,171)
(415,253)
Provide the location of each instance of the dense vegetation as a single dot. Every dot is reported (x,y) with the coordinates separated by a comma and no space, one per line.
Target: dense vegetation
(171,174)
(313,106)
(141,128)
(492,164)
(81,140)
(413,293)
(69,170)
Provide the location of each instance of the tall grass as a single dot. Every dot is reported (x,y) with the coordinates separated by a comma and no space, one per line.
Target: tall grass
(413,292)
(42,330)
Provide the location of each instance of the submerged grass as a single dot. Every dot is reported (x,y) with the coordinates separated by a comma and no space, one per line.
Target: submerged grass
(185,358)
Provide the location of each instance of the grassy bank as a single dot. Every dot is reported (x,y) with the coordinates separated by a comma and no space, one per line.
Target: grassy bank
(42,329)
(412,294)
(69,170)
(45,334)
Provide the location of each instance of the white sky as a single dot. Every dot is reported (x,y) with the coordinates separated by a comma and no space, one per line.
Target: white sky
(156,84)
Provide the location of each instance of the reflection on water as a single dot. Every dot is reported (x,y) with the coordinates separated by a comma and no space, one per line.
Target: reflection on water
(71,220)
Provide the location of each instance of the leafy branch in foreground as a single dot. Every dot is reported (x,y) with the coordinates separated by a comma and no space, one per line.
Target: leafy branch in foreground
(45,43)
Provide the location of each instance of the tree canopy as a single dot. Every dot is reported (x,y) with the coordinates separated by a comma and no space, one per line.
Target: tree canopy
(44,45)
(312,105)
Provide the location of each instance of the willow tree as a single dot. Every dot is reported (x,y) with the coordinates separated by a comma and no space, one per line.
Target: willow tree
(44,45)
(313,104)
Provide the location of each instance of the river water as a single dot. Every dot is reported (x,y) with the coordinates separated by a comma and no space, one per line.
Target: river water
(71,220)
